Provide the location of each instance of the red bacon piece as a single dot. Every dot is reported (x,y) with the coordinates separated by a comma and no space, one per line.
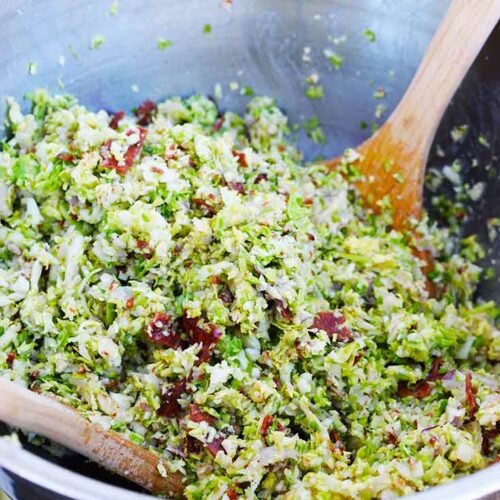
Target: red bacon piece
(267,421)
(66,157)
(133,151)
(215,446)
(470,397)
(285,313)
(231,494)
(434,374)
(241,157)
(199,202)
(421,389)
(336,440)
(205,334)
(144,112)
(193,445)
(332,324)
(116,119)
(260,178)
(162,331)
(218,123)
(170,406)
(144,245)
(198,415)
(11,356)
(488,436)
(392,438)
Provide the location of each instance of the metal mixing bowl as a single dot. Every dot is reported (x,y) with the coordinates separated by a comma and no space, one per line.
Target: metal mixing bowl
(257,43)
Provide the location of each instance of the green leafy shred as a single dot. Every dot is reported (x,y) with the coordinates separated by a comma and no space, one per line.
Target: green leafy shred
(188,282)
(163,44)
(370,35)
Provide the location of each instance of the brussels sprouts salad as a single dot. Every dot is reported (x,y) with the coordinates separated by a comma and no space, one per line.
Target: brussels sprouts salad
(179,276)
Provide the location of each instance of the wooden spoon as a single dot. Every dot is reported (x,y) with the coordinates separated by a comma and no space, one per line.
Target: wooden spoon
(393,160)
(43,415)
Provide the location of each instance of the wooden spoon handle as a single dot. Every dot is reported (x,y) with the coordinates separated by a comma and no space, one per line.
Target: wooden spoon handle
(459,39)
(22,408)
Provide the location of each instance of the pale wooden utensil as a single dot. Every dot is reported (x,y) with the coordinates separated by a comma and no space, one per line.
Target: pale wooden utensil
(22,408)
(394,159)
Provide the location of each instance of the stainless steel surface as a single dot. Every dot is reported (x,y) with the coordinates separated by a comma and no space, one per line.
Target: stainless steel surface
(258,43)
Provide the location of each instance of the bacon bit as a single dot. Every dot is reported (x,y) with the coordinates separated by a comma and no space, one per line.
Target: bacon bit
(215,280)
(130,303)
(11,356)
(112,384)
(231,494)
(144,245)
(193,445)
(116,119)
(336,441)
(218,123)
(144,112)
(469,394)
(432,440)
(241,157)
(157,170)
(170,154)
(310,237)
(266,423)
(488,436)
(170,406)
(285,313)
(298,347)
(392,438)
(207,335)
(277,382)
(332,324)
(197,415)
(308,202)
(67,157)
(280,427)
(260,178)
(203,204)
(161,331)
(109,161)
(239,187)
(421,389)
(215,446)
(226,296)
(357,358)
(434,374)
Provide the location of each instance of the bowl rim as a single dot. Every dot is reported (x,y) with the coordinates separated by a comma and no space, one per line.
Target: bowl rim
(57,479)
